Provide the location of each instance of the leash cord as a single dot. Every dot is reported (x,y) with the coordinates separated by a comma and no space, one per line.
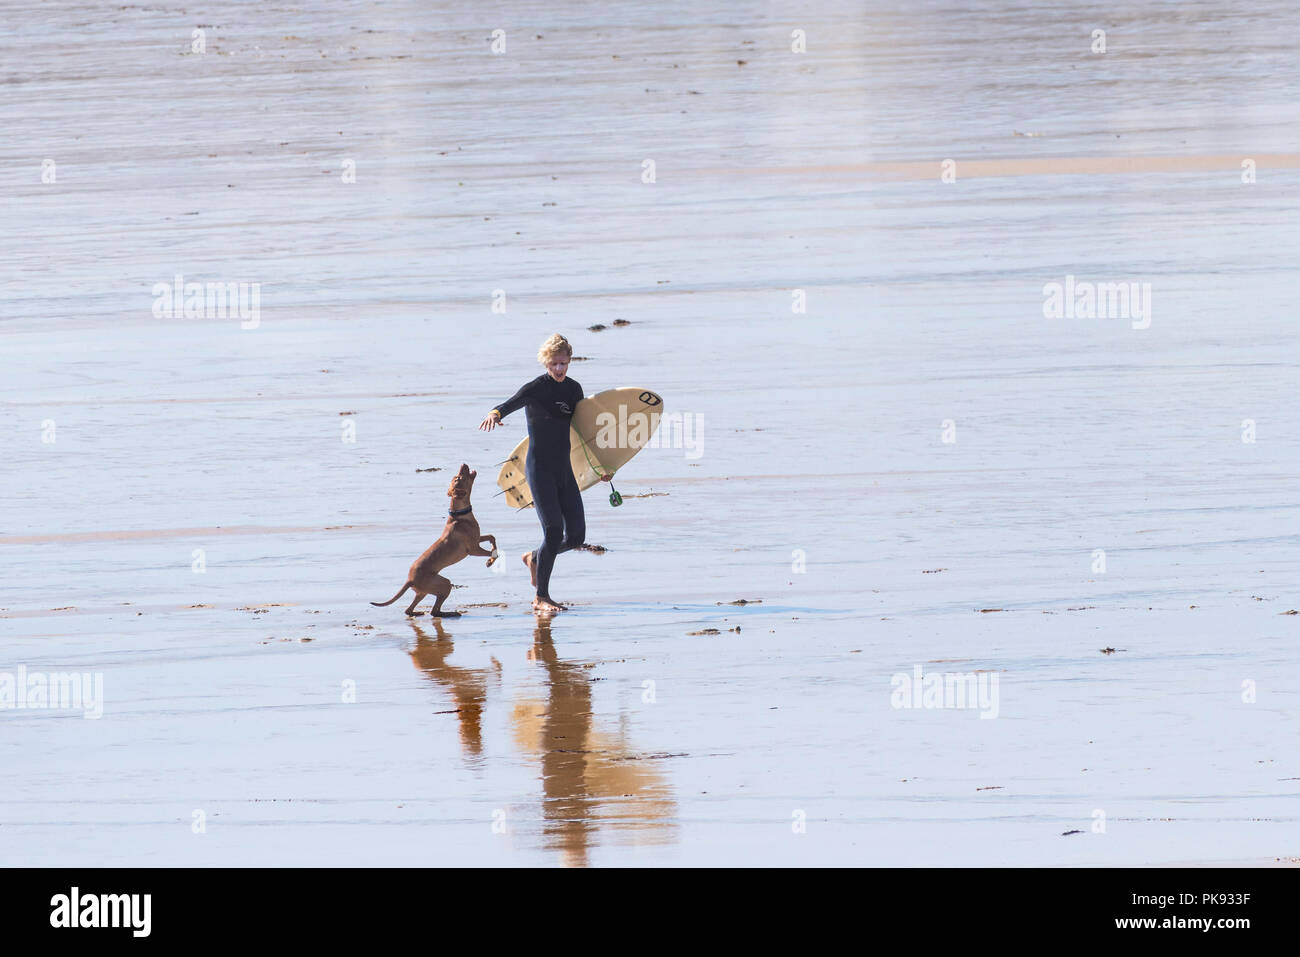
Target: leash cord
(614,497)
(592,464)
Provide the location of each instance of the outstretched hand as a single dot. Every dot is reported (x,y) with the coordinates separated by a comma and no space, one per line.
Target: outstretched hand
(490,423)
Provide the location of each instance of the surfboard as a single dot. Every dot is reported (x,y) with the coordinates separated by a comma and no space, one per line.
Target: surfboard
(608,428)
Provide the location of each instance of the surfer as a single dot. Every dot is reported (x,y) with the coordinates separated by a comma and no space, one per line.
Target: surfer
(548,402)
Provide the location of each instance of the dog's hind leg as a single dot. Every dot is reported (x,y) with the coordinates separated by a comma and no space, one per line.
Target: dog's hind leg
(441,587)
(419,597)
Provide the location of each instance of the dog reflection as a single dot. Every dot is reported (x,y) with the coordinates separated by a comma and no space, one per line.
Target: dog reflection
(468,686)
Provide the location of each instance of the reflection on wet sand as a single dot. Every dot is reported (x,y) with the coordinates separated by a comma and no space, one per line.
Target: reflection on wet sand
(591,778)
(468,686)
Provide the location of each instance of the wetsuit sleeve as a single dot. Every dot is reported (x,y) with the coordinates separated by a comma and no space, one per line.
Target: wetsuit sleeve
(518,400)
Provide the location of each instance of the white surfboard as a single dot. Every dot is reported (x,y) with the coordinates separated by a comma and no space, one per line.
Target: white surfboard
(607,430)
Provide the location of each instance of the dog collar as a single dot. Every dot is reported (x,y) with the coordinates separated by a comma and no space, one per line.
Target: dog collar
(463,511)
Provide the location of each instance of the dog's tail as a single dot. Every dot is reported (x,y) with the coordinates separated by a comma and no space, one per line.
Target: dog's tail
(381,604)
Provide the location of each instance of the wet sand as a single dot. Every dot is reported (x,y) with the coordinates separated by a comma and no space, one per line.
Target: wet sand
(308,727)
(1037,166)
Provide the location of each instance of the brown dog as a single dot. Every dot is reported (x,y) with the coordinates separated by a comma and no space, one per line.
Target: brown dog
(460,538)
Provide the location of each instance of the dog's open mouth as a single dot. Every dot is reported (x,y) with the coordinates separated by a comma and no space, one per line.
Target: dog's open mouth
(463,483)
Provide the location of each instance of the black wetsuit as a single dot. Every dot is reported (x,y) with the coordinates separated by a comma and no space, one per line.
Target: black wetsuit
(549,406)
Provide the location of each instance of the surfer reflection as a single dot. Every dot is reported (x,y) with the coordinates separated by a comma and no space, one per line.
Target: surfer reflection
(548,402)
(589,778)
(468,686)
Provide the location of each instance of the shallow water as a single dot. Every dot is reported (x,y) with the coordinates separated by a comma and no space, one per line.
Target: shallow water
(612,736)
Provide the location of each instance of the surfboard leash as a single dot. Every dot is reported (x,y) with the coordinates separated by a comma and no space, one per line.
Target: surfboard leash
(614,498)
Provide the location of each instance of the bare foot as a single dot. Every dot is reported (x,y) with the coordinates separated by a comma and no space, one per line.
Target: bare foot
(546,607)
(527,558)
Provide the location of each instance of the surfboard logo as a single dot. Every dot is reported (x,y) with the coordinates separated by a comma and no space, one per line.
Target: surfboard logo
(649,398)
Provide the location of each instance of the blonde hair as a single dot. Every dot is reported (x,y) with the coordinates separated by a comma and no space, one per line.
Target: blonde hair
(552,346)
